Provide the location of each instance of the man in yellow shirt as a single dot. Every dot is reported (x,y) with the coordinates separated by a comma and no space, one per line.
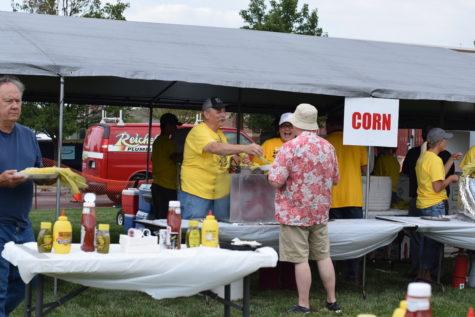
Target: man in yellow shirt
(431,194)
(469,157)
(272,146)
(164,166)
(386,164)
(205,180)
(347,195)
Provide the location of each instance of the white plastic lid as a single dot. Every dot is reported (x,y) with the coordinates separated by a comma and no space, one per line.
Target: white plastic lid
(90,200)
(419,290)
(130,191)
(174,204)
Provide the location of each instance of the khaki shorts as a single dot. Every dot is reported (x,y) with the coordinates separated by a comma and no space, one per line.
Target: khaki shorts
(300,244)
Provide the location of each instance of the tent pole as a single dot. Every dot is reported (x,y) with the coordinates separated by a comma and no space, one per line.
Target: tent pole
(239,117)
(60,142)
(366,217)
(150,115)
(60,146)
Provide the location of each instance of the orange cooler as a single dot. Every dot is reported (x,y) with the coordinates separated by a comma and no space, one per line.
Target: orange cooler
(130,201)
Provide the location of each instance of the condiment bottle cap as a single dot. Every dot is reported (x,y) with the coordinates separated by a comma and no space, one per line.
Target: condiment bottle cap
(104,227)
(45,225)
(193,223)
(419,289)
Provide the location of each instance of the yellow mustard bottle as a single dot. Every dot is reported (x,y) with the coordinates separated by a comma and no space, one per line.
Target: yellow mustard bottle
(210,232)
(62,235)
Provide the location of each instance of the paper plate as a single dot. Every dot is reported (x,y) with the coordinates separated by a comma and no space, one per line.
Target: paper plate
(35,177)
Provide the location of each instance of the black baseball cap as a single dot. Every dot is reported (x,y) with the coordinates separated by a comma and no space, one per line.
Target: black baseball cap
(213,102)
(169,118)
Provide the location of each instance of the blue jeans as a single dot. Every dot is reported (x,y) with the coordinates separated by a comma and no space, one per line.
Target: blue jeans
(12,288)
(430,249)
(194,207)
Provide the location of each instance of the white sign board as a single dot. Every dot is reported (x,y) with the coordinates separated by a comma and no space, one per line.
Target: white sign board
(371,122)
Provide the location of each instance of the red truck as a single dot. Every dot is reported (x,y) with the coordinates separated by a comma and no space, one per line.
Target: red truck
(114,154)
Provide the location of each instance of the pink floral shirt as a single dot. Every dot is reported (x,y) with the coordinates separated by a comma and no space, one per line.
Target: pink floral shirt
(307,167)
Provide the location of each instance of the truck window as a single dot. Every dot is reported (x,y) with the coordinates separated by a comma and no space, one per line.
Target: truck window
(231,136)
(93,139)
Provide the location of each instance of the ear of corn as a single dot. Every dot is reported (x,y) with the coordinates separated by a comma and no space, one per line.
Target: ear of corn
(469,170)
(70,179)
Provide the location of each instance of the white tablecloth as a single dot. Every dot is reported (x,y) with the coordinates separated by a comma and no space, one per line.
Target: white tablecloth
(165,274)
(349,238)
(457,233)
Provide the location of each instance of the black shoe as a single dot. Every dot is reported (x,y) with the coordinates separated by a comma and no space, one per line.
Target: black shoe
(334,307)
(299,310)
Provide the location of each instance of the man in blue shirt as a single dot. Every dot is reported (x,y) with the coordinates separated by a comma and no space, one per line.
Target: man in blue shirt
(18,150)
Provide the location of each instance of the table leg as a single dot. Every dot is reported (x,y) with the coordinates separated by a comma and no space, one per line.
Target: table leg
(246,295)
(227,298)
(27,300)
(39,296)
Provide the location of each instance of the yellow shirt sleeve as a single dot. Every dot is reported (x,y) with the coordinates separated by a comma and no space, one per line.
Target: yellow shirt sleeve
(468,158)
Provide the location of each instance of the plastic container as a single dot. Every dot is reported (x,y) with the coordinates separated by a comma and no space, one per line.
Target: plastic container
(210,232)
(141,215)
(193,234)
(130,201)
(103,239)
(45,238)
(174,222)
(145,198)
(418,300)
(88,223)
(129,222)
(62,235)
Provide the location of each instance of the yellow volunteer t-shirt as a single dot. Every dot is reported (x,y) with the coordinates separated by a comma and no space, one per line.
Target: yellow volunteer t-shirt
(388,165)
(469,157)
(163,166)
(429,168)
(270,148)
(349,191)
(204,174)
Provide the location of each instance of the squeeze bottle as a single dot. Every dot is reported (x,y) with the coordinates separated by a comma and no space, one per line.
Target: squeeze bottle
(210,231)
(88,223)
(62,235)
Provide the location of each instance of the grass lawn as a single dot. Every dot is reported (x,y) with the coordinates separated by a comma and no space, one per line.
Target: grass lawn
(386,285)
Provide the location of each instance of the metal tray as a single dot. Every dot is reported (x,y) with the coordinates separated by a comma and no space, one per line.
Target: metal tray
(432,218)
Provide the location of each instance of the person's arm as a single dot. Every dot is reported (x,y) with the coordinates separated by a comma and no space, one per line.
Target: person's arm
(230,149)
(279,171)
(11,179)
(439,186)
(450,162)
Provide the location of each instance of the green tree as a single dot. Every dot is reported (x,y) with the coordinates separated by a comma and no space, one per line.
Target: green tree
(83,8)
(42,117)
(283,16)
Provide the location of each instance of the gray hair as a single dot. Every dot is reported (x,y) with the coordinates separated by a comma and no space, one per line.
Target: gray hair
(12,80)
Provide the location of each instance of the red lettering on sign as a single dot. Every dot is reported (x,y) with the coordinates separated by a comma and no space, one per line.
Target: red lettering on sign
(356,120)
(371,121)
(366,120)
(386,121)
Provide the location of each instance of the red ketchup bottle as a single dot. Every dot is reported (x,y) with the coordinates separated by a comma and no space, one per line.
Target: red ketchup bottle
(174,222)
(88,223)
(418,300)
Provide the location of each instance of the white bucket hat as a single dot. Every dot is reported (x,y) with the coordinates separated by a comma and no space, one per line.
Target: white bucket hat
(305,117)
